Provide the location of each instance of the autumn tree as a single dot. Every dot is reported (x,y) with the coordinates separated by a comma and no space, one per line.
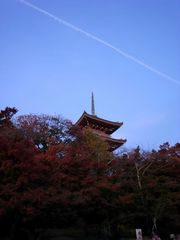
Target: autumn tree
(44,130)
(6,116)
(27,182)
(55,175)
(155,189)
(162,190)
(52,188)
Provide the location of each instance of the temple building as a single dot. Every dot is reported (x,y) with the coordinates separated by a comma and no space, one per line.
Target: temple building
(102,127)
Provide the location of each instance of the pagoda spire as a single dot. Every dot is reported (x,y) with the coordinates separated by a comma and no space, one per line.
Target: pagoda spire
(92,105)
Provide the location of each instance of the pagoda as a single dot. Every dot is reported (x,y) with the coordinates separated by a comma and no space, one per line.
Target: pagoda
(102,127)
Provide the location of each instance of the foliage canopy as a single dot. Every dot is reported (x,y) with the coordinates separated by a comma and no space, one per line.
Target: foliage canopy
(53,176)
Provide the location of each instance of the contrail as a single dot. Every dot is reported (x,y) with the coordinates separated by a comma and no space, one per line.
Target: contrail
(97,39)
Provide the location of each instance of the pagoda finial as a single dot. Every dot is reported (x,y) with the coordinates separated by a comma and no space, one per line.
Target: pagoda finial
(92,105)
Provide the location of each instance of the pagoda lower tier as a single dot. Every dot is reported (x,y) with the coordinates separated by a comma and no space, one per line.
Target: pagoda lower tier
(103,128)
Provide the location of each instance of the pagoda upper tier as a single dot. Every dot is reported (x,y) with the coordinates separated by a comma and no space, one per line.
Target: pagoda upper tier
(101,127)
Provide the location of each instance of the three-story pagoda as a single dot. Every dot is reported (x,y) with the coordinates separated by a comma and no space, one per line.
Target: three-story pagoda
(102,127)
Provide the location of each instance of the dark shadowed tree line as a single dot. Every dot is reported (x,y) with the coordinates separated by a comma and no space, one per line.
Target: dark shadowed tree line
(55,176)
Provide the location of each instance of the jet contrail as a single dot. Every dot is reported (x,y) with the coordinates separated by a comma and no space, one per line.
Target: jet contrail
(97,39)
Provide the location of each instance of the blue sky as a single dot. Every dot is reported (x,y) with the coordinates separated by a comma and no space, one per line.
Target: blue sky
(47,67)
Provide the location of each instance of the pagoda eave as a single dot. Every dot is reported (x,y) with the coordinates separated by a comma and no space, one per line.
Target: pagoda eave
(114,143)
(98,123)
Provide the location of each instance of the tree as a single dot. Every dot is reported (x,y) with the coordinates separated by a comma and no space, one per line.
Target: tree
(6,116)
(157,196)
(44,130)
(16,163)
(65,183)
(149,191)
(54,175)
(27,187)
(162,188)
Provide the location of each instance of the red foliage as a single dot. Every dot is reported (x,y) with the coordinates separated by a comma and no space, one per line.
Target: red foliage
(79,179)
(6,116)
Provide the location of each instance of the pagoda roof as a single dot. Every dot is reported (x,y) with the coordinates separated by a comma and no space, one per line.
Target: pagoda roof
(88,119)
(114,143)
